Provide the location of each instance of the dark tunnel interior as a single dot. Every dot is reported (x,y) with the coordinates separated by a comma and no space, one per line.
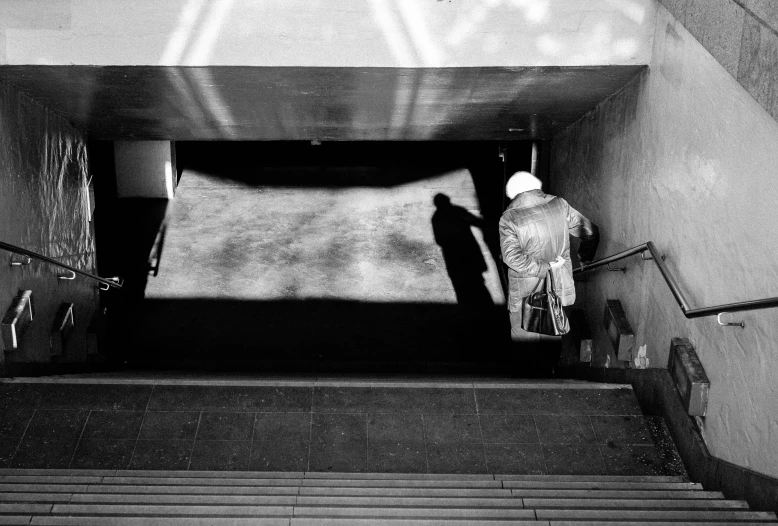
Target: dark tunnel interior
(339,257)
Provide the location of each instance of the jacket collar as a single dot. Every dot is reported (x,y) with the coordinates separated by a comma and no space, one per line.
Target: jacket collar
(528,199)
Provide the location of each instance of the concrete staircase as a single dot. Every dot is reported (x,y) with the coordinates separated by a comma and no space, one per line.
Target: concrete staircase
(119,497)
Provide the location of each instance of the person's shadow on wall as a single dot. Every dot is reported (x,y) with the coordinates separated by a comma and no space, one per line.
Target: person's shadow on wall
(462,254)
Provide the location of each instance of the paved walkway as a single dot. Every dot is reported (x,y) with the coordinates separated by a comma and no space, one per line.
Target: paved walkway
(323,426)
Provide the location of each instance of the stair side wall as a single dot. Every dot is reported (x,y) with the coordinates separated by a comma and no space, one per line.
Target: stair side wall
(685,157)
(44,207)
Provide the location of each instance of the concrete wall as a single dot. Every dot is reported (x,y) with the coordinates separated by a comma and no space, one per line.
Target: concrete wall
(742,35)
(336,33)
(686,157)
(145,168)
(44,206)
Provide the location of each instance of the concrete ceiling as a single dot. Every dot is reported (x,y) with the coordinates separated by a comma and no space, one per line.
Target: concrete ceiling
(304,103)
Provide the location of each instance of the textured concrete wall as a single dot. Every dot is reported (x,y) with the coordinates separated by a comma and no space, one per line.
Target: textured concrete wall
(44,207)
(406,33)
(686,157)
(742,35)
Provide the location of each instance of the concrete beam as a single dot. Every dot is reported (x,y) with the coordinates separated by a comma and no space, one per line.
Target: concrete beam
(145,168)
(335,33)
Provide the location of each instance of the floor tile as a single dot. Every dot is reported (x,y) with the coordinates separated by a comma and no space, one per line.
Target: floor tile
(162,454)
(192,398)
(44,453)
(287,426)
(388,427)
(456,458)
(220,455)
(514,401)
(522,459)
(343,399)
(13,422)
(451,428)
(113,424)
(508,428)
(348,457)
(19,396)
(281,454)
(396,457)
(116,397)
(61,424)
(103,454)
(339,427)
(621,429)
(225,426)
(8,447)
(608,402)
(573,459)
(564,429)
(630,459)
(424,400)
(291,399)
(230,398)
(172,425)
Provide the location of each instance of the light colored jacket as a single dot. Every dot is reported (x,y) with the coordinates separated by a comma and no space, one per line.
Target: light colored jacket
(535,229)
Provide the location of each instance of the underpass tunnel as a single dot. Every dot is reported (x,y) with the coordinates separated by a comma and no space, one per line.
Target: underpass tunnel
(309,256)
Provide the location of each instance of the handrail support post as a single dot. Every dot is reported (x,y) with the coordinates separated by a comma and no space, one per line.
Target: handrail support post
(740,324)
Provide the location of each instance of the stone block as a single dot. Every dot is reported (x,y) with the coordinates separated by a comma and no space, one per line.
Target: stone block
(619,331)
(765,10)
(689,376)
(677,8)
(16,320)
(724,32)
(758,68)
(61,329)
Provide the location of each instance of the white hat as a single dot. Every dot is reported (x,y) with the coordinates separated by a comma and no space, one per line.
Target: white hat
(521,182)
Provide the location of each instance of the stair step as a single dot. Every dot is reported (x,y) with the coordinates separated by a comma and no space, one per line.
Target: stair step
(634,503)
(135,509)
(195,490)
(653,523)
(49,479)
(278,511)
(7,508)
(647,486)
(615,494)
(15,520)
(687,515)
(203,481)
(415,513)
(397,476)
(158,521)
(298,475)
(401,483)
(245,500)
(35,497)
(43,488)
(415,502)
(238,521)
(408,522)
(407,492)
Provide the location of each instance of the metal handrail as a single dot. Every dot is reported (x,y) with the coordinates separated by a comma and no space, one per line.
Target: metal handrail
(108,282)
(715,310)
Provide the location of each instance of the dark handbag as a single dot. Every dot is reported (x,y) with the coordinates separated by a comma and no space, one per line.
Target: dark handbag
(543,312)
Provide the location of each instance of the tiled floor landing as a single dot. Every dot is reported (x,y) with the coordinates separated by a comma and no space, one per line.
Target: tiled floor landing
(521,429)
